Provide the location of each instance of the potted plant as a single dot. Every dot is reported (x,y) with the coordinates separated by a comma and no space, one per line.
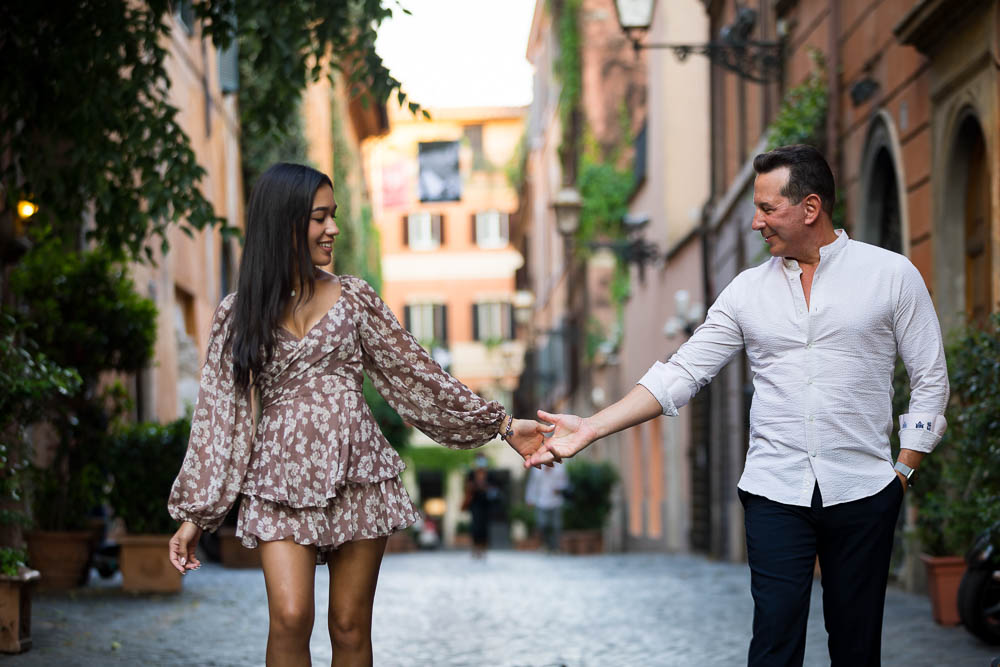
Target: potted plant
(81,310)
(16,582)
(958,490)
(143,460)
(588,506)
(28,383)
(528,539)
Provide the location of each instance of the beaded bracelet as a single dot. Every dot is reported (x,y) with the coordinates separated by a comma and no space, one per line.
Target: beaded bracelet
(509,431)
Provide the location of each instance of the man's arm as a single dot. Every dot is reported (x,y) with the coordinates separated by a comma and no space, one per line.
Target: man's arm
(663,389)
(919,343)
(576,433)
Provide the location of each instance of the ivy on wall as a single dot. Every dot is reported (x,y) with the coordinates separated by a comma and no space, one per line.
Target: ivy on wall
(358,245)
(802,116)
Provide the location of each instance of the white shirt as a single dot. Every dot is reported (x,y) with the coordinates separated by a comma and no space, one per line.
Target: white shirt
(822,403)
(545,486)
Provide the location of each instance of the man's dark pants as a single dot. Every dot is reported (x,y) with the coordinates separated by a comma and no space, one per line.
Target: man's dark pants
(853,541)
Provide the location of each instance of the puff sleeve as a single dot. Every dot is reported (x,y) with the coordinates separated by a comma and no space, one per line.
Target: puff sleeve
(413,383)
(221,432)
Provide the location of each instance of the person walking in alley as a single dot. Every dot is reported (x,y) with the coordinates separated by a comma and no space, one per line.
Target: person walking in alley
(545,492)
(821,323)
(281,421)
(480,497)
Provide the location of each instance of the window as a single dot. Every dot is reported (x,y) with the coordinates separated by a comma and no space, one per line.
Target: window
(428,322)
(474,134)
(439,179)
(491,229)
(423,231)
(492,321)
(184,11)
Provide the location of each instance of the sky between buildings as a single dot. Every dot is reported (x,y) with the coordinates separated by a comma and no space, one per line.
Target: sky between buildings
(460,53)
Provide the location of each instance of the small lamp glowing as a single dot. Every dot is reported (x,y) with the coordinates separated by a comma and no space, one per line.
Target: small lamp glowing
(26,209)
(435,506)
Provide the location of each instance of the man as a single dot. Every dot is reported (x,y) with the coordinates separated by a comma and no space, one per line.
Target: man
(544,492)
(821,323)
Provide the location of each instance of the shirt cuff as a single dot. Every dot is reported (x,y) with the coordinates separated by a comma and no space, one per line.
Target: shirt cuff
(657,382)
(921,432)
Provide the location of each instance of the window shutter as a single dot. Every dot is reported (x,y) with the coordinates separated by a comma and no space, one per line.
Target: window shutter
(406,232)
(475,230)
(437,228)
(505,226)
(406,318)
(510,320)
(475,321)
(229,71)
(441,324)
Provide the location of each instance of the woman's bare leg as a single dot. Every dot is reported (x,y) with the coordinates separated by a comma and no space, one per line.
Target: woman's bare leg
(353,576)
(289,576)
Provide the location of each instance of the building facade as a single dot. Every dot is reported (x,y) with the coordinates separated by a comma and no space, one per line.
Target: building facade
(911,134)
(664,503)
(187,283)
(442,205)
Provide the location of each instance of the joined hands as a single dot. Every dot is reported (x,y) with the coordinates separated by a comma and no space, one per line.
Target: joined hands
(571,435)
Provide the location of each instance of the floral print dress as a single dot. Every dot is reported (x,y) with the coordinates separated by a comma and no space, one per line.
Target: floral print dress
(316,468)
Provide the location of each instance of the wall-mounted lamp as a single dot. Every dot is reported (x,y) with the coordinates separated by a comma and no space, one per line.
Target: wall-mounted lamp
(634,250)
(523,304)
(734,50)
(686,316)
(26,209)
(862,90)
(567,205)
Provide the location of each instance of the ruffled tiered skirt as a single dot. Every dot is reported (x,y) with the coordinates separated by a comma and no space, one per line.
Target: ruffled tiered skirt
(359,511)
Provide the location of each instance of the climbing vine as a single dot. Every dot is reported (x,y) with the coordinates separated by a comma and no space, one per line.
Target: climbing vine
(802,116)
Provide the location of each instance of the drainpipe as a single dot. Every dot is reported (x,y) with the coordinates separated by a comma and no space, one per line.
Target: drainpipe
(833,91)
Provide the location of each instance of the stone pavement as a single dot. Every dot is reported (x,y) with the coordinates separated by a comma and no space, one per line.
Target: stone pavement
(443,608)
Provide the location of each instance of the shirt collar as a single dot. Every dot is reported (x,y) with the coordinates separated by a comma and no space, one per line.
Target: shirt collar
(827,251)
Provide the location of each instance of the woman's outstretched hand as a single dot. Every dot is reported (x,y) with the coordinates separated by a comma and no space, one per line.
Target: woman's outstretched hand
(572,435)
(182,546)
(528,436)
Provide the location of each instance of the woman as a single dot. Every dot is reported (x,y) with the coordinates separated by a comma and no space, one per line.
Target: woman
(281,421)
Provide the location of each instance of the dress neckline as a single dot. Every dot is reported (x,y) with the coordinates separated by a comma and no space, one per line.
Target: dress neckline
(319,321)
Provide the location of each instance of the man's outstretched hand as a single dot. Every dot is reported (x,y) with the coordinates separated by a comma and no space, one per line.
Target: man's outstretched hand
(528,436)
(572,434)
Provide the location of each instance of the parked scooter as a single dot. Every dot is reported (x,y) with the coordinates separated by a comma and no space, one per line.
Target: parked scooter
(979,592)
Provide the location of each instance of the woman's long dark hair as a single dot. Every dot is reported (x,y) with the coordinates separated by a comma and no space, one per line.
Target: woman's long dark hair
(276,247)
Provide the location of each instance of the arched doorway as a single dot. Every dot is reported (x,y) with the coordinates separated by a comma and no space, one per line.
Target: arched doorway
(881,219)
(964,248)
(976,211)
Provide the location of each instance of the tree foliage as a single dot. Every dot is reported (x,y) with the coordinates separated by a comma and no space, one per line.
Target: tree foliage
(88,132)
(82,311)
(802,116)
(958,485)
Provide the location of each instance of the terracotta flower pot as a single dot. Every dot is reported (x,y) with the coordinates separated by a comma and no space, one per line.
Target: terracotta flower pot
(62,557)
(582,542)
(145,565)
(15,610)
(944,574)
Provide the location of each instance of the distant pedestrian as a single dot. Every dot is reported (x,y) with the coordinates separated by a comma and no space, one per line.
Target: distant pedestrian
(480,496)
(546,492)
(821,322)
(282,423)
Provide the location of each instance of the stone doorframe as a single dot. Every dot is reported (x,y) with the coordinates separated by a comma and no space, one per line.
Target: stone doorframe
(882,134)
(950,180)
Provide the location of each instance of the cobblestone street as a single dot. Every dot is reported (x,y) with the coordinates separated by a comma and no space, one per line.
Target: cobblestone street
(446,609)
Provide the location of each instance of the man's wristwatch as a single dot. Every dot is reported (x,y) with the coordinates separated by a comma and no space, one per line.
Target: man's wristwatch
(906,470)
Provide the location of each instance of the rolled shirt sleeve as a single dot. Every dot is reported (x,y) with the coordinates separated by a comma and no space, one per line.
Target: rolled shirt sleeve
(710,348)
